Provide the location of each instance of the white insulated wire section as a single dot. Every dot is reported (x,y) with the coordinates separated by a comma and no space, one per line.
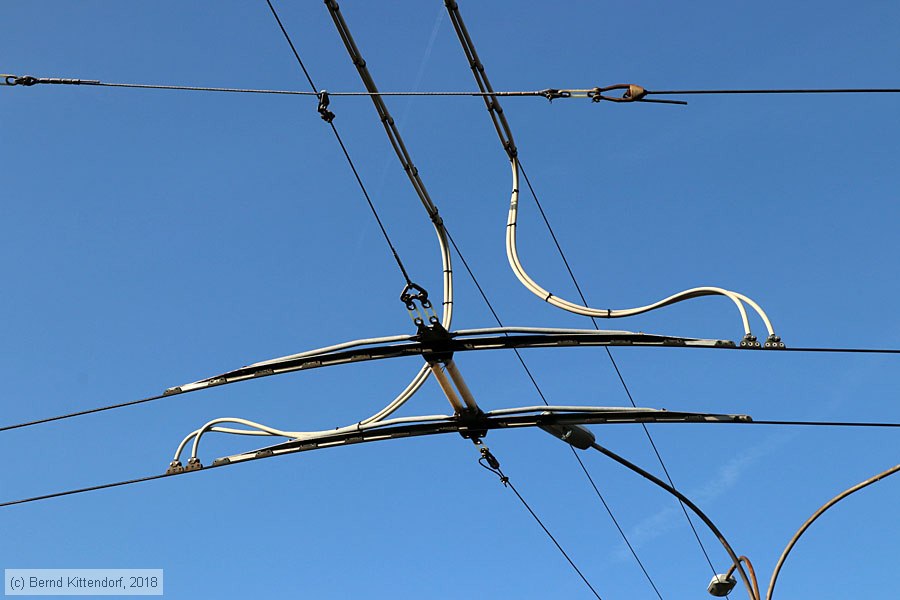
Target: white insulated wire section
(512,254)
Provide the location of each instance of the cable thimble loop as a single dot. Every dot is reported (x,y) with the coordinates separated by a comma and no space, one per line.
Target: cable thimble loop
(413,294)
(27,80)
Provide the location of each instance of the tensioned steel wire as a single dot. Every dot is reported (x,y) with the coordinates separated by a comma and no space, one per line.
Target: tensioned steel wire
(439,428)
(616,368)
(447,275)
(504,132)
(543,398)
(412,172)
(542,338)
(595,94)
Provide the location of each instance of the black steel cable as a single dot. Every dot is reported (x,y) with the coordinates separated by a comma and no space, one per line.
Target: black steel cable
(613,361)
(550,535)
(540,393)
(504,132)
(551,93)
(684,500)
(293,48)
(438,429)
(175,393)
(825,423)
(615,521)
(844,350)
(83,412)
(778,91)
(494,467)
(362,186)
(82,490)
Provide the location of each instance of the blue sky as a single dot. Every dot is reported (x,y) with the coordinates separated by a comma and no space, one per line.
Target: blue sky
(152,238)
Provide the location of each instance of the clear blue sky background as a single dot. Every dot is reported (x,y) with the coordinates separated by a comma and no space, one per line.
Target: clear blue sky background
(152,238)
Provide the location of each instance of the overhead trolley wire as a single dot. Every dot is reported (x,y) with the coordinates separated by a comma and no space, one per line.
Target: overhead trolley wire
(612,360)
(535,343)
(504,132)
(399,147)
(489,462)
(614,364)
(506,138)
(404,428)
(82,412)
(404,434)
(543,398)
(684,500)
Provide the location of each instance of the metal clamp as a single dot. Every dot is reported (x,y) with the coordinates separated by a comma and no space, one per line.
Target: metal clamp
(750,341)
(552,94)
(413,293)
(632,93)
(324,101)
(773,342)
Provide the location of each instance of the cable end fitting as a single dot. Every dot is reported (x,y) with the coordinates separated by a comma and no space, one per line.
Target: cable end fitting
(489,458)
(552,94)
(175,468)
(773,342)
(750,342)
(26,80)
(193,464)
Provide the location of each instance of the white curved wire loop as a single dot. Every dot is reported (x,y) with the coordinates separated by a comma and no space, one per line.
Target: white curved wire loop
(417,382)
(512,255)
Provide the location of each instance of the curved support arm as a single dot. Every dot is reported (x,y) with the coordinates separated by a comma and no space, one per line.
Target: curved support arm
(736,561)
(818,514)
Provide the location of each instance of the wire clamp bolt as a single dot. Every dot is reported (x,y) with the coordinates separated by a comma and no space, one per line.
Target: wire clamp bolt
(193,464)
